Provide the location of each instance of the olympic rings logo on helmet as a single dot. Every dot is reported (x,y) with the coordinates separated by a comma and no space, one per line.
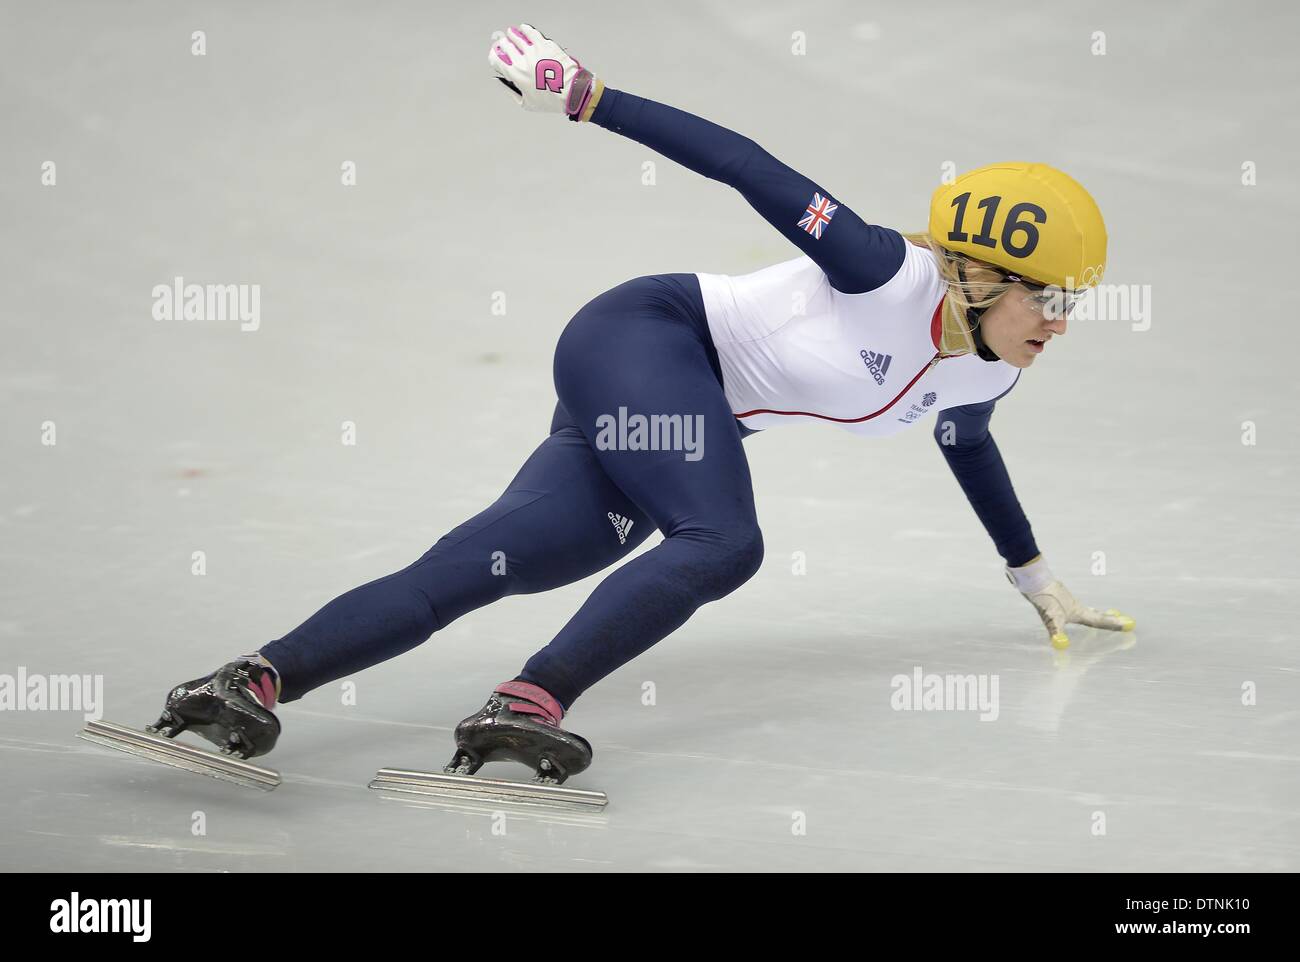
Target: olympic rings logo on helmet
(1092,275)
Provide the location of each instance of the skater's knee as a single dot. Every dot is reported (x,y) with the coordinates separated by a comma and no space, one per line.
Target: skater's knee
(747,554)
(728,558)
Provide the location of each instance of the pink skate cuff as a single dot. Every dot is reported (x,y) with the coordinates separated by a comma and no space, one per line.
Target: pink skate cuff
(267,688)
(264,691)
(539,697)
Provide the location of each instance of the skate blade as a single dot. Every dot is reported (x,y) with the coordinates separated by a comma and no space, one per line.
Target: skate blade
(477,787)
(530,810)
(179,755)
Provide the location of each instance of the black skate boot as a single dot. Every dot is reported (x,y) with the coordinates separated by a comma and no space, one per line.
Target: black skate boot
(520,723)
(230,708)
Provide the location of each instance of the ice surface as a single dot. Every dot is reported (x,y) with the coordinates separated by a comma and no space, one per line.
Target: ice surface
(771,708)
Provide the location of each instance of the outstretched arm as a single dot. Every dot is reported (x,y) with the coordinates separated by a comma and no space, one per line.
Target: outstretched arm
(542,76)
(963,436)
(855,256)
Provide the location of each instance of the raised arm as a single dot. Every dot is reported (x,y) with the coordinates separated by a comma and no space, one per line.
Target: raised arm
(542,76)
(856,256)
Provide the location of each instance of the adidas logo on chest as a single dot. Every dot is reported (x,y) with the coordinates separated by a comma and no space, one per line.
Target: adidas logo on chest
(877,364)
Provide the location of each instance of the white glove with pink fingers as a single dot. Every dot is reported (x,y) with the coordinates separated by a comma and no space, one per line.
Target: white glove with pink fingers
(541,75)
(1057,607)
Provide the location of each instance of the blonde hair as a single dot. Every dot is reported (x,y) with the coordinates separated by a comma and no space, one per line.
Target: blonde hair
(980,287)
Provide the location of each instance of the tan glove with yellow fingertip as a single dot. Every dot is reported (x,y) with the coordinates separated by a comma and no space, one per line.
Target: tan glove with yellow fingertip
(1057,607)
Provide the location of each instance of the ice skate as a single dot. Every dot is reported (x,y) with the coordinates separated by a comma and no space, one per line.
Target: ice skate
(519,723)
(230,708)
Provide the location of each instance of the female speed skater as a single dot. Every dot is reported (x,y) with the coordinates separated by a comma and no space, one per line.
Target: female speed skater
(869,329)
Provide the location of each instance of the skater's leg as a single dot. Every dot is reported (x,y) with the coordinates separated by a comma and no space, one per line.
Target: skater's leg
(551,527)
(644,347)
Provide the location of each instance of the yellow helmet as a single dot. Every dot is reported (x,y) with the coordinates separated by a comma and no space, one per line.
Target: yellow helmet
(1030,220)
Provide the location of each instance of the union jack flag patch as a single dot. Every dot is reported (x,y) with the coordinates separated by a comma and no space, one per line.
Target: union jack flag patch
(818,215)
